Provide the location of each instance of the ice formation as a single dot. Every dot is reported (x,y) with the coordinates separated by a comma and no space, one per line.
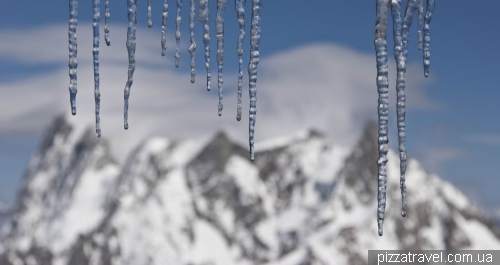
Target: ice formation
(150,21)
(401,34)
(132,20)
(252,70)
(219,27)
(164,28)
(107,15)
(427,36)
(192,48)
(401,28)
(72,46)
(178,33)
(95,51)
(204,17)
(239,7)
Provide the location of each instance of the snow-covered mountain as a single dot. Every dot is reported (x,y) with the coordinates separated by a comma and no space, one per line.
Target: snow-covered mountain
(303,201)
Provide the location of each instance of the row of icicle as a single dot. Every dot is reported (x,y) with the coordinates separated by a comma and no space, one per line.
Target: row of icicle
(401,27)
(203,17)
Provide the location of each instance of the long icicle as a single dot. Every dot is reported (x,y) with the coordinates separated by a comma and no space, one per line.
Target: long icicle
(150,21)
(178,33)
(132,20)
(239,6)
(192,48)
(95,51)
(73,50)
(219,26)
(427,36)
(401,97)
(164,28)
(383,106)
(203,17)
(107,15)
(252,70)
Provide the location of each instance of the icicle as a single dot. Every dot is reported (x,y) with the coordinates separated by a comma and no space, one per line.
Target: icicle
(219,25)
(107,15)
(427,37)
(239,6)
(192,48)
(252,70)
(420,9)
(73,49)
(178,33)
(96,5)
(411,7)
(400,90)
(150,21)
(383,106)
(132,20)
(203,17)
(164,28)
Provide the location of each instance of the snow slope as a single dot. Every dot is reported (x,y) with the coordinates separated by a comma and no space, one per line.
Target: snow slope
(303,201)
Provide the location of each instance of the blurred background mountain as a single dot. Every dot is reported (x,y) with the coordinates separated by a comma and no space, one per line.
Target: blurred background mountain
(303,201)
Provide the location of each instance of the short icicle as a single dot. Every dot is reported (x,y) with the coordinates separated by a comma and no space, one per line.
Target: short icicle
(203,17)
(73,50)
(132,20)
(95,51)
(219,26)
(411,8)
(192,48)
(420,9)
(107,15)
(401,97)
(164,28)
(150,20)
(383,106)
(239,6)
(252,70)
(178,33)
(427,36)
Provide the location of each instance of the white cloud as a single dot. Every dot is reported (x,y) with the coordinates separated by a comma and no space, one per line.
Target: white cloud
(325,86)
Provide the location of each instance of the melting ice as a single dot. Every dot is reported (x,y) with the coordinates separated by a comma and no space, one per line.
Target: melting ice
(401,34)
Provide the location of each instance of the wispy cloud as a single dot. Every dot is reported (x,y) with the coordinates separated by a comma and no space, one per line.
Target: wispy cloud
(325,86)
(485,139)
(433,157)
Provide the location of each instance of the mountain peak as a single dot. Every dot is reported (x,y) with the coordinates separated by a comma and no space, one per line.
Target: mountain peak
(303,201)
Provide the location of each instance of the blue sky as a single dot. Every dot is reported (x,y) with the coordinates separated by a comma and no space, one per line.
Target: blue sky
(452,119)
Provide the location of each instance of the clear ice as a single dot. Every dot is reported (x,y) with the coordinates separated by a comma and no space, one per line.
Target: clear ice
(383,106)
(219,27)
(96,5)
(107,15)
(400,91)
(239,6)
(178,33)
(164,28)
(412,6)
(203,17)
(252,70)
(132,20)
(427,36)
(150,21)
(72,46)
(420,10)
(192,48)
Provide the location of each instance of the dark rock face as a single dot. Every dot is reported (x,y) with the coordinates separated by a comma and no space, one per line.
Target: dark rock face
(360,168)
(291,205)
